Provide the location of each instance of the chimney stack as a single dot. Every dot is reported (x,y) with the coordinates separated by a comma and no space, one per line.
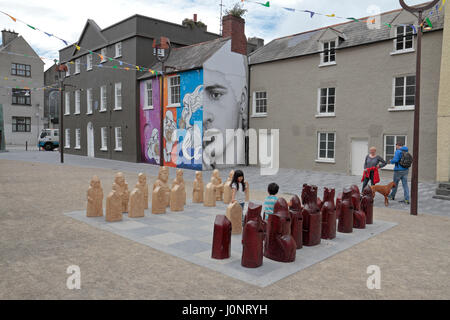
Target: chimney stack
(195,17)
(234,27)
(8,36)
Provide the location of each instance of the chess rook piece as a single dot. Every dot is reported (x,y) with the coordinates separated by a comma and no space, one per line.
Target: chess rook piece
(95,199)
(345,221)
(295,210)
(234,214)
(328,212)
(210,195)
(227,188)
(367,204)
(218,185)
(178,193)
(221,246)
(122,190)
(162,182)
(113,205)
(359,217)
(136,203)
(279,245)
(253,237)
(338,205)
(143,187)
(312,224)
(197,189)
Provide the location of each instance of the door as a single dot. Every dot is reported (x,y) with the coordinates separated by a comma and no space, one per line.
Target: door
(360,149)
(90,140)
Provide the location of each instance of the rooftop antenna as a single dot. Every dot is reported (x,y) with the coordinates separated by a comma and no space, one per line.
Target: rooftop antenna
(221,8)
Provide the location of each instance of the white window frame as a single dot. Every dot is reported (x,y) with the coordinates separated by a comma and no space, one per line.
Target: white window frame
(116,106)
(68,70)
(404,107)
(404,50)
(77,138)
(67,104)
(319,97)
(169,95)
(254,112)
(89,62)
(103,99)
(326,159)
(103,53)
(118,50)
(322,53)
(104,138)
(146,105)
(77,66)
(77,102)
(67,138)
(116,138)
(390,166)
(89,101)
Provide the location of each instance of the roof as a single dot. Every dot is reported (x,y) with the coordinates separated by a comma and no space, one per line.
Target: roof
(189,57)
(356,33)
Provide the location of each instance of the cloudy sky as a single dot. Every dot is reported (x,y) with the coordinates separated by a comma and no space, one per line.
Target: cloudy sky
(66,19)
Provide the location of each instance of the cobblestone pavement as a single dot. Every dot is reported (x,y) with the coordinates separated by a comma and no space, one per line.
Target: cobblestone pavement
(289,180)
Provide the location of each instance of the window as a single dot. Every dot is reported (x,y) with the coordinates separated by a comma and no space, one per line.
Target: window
(404,38)
(22,70)
(77,101)
(67,139)
(389,147)
(404,91)
(326,145)
(89,101)
(148,95)
(104,138)
(77,138)
(327,99)
(21,124)
(329,52)
(118,47)
(118,95)
(67,104)
(21,96)
(103,98)
(174,89)
(68,70)
(103,54)
(260,103)
(77,66)
(118,135)
(89,62)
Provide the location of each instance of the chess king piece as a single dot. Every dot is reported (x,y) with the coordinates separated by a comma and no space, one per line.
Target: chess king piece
(210,195)
(345,221)
(163,182)
(279,245)
(122,190)
(234,214)
(113,205)
(328,212)
(253,237)
(359,217)
(221,246)
(197,190)
(295,210)
(178,193)
(367,204)
(95,199)
(227,188)
(143,187)
(136,203)
(218,185)
(312,224)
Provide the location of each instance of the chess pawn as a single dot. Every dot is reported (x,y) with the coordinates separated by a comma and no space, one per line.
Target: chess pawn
(158,200)
(143,187)
(95,198)
(162,182)
(227,188)
(234,214)
(367,204)
(218,185)
(136,205)
(122,189)
(221,247)
(210,195)
(295,210)
(197,190)
(328,212)
(113,205)
(253,237)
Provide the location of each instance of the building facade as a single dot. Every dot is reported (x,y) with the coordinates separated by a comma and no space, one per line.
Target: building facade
(336,91)
(52,99)
(22,74)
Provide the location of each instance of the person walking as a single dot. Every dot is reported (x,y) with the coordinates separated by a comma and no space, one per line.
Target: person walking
(400,172)
(372,163)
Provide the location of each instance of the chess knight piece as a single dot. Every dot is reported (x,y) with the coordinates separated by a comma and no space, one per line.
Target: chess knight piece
(234,214)
(122,190)
(328,212)
(178,193)
(221,246)
(197,190)
(227,188)
(367,204)
(295,210)
(279,245)
(253,237)
(218,185)
(136,205)
(143,187)
(345,221)
(95,198)
(312,224)
(359,217)
(113,205)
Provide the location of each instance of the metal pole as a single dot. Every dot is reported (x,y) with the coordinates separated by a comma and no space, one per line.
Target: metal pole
(161,131)
(61,121)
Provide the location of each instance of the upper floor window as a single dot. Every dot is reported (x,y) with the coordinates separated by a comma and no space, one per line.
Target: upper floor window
(21,124)
(103,54)
(148,95)
(67,104)
(103,100)
(259,103)
(326,146)
(118,48)
(68,70)
(77,101)
(174,90)
(327,99)
(404,39)
(77,65)
(89,100)
(328,55)
(118,96)
(404,91)
(89,62)
(23,70)
(21,96)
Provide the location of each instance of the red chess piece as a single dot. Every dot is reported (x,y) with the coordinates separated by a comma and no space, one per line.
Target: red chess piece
(221,246)
(355,190)
(345,224)
(338,205)
(328,212)
(320,203)
(295,210)
(253,237)
(312,224)
(359,217)
(279,244)
(367,204)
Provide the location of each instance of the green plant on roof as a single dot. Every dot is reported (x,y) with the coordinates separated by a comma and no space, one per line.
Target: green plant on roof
(191,23)
(237,10)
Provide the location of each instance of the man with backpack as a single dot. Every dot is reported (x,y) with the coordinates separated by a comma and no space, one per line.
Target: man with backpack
(402,160)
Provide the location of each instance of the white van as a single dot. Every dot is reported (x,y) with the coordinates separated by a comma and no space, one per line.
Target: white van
(49,139)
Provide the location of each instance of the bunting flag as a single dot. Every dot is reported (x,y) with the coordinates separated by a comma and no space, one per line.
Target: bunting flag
(310,12)
(289,9)
(414,29)
(331,15)
(78,47)
(354,19)
(428,22)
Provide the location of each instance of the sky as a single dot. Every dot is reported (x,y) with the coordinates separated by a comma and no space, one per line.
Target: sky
(66,19)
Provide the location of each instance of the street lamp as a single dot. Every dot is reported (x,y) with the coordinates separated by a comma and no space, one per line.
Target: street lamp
(415,164)
(62,69)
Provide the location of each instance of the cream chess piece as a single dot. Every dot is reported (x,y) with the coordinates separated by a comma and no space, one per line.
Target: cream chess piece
(95,198)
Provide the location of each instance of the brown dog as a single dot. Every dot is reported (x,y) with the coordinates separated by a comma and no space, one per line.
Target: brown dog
(384,190)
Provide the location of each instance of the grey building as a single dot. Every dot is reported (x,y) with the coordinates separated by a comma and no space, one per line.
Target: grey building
(52,98)
(22,74)
(101,104)
(335,91)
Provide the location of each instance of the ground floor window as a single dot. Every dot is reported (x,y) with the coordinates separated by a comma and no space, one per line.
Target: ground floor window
(326,146)
(67,139)
(118,135)
(77,138)
(389,145)
(21,124)
(104,137)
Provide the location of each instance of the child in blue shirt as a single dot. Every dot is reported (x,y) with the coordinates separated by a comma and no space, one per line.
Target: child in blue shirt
(270,200)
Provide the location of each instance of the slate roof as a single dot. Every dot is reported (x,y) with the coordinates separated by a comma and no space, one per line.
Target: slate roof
(189,57)
(355,33)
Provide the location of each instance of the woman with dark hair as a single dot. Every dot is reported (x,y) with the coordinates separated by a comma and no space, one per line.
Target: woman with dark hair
(239,189)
